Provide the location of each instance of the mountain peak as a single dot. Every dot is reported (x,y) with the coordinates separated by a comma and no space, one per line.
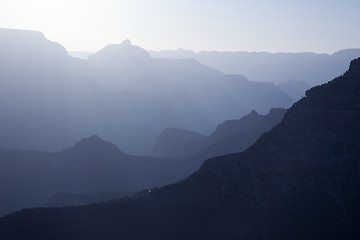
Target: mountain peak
(355,65)
(95,144)
(126,42)
(342,92)
(248,122)
(253,113)
(123,55)
(93,138)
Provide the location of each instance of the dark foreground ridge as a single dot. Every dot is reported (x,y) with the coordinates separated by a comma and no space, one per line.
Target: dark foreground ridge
(301,180)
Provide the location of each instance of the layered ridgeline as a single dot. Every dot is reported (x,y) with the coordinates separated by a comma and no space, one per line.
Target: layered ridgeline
(48,100)
(92,165)
(300,180)
(202,96)
(292,69)
(229,137)
(96,170)
(293,72)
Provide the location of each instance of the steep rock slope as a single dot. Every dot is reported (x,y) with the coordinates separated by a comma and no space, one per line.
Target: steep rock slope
(300,180)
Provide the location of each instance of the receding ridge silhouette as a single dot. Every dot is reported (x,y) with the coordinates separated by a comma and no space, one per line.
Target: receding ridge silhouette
(289,174)
(59,99)
(300,180)
(229,137)
(104,167)
(202,96)
(312,68)
(94,144)
(48,94)
(91,166)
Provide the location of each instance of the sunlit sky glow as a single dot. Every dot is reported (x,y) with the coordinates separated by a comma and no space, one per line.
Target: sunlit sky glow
(323,26)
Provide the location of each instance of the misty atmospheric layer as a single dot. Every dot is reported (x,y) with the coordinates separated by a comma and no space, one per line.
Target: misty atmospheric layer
(249,130)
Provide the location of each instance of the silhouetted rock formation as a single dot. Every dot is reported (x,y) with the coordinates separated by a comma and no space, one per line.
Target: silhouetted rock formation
(247,123)
(57,98)
(48,100)
(93,165)
(300,180)
(29,178)
(203,97)
(95,145)
(237,135)
(229,137)
(273,67)
(122,57)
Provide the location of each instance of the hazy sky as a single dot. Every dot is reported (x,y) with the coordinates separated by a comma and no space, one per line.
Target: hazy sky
(235,25)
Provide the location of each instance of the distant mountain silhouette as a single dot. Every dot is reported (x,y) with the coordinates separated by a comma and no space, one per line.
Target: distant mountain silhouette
(95,145)
(346,54)
(92,165)
(48,100)
(98,161)
(273,67)
(237,135)
(300,180)
(203,97)
(125,56)
(247,123)
(120,92)
(229,137)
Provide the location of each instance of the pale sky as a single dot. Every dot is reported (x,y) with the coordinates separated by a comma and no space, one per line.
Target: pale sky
(322,26)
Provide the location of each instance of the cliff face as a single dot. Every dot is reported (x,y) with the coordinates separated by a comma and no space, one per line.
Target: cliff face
(301,180)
